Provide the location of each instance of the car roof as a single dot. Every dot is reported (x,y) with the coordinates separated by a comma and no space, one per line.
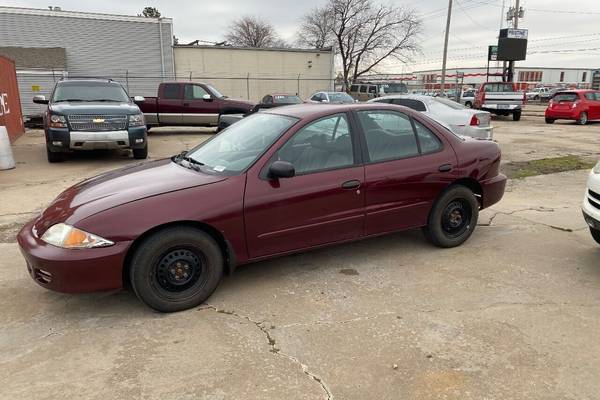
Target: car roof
(310,110)
(421,97)
(82,80)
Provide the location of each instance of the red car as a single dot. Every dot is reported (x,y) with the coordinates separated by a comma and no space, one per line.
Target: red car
(281,181)
(578,105)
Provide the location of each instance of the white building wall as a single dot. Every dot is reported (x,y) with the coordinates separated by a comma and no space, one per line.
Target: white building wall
(251,73)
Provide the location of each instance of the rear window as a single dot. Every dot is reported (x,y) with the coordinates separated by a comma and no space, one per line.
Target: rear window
(449,103)
(171,91)
(499,87)
(286,99)
(340,97)
(565,97)
(416,105)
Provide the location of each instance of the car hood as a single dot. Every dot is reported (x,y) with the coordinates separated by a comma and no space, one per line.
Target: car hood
(100,107)
(121,186)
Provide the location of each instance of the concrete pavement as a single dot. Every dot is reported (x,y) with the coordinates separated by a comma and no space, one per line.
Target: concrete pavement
(512,314)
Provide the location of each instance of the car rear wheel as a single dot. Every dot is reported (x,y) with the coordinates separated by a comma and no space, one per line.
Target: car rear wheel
(141,154)
(550,120)
(176,269)
(595,234)
(517,116)
(54,157)
(583,118)
(453,217)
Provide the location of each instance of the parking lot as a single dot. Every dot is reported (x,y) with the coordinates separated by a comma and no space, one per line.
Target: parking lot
(511,314)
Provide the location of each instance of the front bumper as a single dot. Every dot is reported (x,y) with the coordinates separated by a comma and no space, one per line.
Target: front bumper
(591,202)
(72,270)
(63,140)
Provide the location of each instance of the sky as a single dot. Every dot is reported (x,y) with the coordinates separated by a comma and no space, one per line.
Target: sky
(561,34)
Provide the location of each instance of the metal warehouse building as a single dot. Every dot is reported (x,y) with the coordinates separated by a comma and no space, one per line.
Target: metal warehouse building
(250,73)
(49,44)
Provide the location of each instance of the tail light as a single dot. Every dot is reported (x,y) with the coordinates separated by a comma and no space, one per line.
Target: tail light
(474,121)
(550,104)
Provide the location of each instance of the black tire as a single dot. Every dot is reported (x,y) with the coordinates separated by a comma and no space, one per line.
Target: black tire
(453,217)
(583,118)
(176,269)
(54,157)
(550,120)
(517,116)
(141,154)
(468,104)
(595,234)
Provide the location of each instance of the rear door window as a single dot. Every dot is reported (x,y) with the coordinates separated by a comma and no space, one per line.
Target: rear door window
(416,105)
(363,89)
(590,96)
(389,135)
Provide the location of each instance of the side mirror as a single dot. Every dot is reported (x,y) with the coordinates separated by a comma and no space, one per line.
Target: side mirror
(207,97)
(39,99)
(138,99)
(324,101)
(282,169)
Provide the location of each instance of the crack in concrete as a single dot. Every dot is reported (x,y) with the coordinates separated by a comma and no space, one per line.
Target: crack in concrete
(274,349)
(346,321)
(537,209)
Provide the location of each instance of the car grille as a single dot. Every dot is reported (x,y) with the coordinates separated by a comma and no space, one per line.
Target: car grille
(595,196)
(97,122)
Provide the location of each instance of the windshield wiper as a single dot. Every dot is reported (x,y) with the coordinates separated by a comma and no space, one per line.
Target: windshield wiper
(192,163)
(63,100)
(111,100)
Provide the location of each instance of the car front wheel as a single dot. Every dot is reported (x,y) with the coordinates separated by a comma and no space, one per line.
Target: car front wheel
(176,269)
(583,118)
(453,217)
(595,234)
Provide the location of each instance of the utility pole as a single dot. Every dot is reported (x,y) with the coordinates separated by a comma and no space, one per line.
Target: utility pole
(511,64)
(446,46)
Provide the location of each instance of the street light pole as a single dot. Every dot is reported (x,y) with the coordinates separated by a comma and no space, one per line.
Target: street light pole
(446,46)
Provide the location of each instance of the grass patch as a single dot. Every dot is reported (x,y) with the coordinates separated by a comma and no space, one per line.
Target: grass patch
(523,169)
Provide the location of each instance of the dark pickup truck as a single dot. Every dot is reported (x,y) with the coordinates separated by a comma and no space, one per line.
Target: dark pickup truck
(189,104)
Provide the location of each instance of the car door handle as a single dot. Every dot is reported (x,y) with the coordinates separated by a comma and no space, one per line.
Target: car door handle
(353,184)
(445,168)
(186,104)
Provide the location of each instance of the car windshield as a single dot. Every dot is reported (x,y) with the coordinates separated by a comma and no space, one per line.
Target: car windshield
(340,97)
(448,103)
(214,91)
(569,97)
(286,99)
(237,147)
(90,91)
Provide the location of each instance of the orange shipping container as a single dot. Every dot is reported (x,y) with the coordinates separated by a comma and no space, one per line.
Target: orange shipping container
(10,102)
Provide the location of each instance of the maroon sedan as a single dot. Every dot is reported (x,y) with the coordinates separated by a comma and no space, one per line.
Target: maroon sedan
(285,180)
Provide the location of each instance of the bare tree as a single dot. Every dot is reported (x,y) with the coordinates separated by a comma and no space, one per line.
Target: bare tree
(253,32)
(316,30)
(151,12)
(364,32)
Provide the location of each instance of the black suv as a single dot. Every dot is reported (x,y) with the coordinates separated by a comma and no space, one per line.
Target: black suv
(89,114)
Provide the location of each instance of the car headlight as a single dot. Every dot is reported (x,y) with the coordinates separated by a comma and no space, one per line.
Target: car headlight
(137,120)
(57,121)
(69,237)
(597,168)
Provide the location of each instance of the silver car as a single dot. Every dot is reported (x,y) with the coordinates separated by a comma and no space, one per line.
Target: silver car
(331,98)
(461,120)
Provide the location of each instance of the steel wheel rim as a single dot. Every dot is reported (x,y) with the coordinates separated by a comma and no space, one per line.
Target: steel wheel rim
(179,272)
(456,218)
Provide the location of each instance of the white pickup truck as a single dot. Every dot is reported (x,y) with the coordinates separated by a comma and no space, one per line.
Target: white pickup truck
(500,98)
